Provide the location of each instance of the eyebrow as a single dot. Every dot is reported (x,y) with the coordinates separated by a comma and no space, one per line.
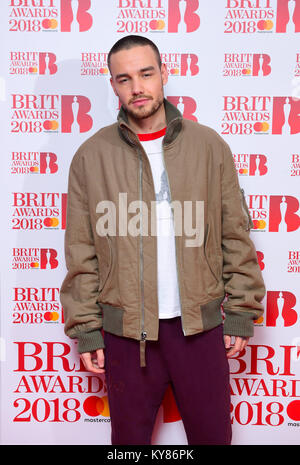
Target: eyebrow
(148,68)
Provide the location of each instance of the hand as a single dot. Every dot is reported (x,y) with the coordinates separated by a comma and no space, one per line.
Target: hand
(239,344)
(95,364)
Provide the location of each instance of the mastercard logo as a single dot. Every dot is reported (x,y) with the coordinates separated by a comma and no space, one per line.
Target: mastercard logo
(49,23)
(157,25)
(104,70)
(246,71)
(174,71)
(243,170)
(34,169)
(49,125)
(265,25)
(95,406)
(261,127)
(259,321)
(51,222)
(34,265)
(33,70)
(259,224)
(51,316)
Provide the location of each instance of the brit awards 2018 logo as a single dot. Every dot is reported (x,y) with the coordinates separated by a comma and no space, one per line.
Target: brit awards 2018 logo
(288,16)
(50,15)
(297,66)
(33,163)
(274,213)
(32,63)
(281,309)
(35,211)
(244,115)
(186,105)
(293,265)
(272,371)
(286,115)
(181,64)
(183,16)
(50,113)
(246,64)
(52,368)
(94,64)
(32,305)
(295,164)
(247,17)
(252,164)
(142,16)
(75,15)
(34,258)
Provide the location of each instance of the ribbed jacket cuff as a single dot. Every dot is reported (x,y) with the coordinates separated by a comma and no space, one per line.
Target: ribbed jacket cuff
(88,342)
(235,325)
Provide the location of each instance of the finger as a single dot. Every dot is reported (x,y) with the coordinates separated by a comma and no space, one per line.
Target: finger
(236,348)
(86,357)
(245,341)
(100,358)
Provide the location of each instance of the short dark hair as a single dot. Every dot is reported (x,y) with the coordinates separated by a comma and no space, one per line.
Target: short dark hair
(131,41)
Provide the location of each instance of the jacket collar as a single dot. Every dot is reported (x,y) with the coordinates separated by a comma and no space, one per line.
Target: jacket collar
(174,124)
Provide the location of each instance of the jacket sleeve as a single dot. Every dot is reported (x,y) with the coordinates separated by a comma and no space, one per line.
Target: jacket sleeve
(243,281)
(80,288)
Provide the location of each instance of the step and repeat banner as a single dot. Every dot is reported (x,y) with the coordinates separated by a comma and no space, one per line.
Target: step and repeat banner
(233,65)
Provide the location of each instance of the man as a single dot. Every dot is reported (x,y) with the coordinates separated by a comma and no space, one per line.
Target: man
(158,297)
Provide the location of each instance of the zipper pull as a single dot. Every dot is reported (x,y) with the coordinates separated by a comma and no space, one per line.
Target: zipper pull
(143,349)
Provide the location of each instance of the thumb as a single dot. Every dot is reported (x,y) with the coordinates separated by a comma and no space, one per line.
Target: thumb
(100,357)
(227,341)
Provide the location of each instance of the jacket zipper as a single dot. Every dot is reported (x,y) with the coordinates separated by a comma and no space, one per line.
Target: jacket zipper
(143,332)
(176,254)
(245,210)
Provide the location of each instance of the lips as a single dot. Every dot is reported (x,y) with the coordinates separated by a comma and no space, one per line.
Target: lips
(140,101)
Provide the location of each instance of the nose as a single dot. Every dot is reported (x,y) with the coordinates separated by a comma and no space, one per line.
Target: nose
(136,86)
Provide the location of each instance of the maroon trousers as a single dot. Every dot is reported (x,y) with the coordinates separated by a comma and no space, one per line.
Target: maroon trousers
(197,369)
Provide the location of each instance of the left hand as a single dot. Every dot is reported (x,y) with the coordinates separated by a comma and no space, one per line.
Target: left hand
(239,344)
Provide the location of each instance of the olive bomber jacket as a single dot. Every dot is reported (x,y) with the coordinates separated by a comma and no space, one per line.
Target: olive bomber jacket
(111,280)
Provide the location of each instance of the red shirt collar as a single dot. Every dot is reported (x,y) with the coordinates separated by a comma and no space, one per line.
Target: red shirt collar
(152,135)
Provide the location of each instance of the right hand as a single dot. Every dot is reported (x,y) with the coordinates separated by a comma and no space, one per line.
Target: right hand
(94,364)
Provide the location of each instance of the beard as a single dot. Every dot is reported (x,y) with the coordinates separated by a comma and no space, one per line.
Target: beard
(142,112)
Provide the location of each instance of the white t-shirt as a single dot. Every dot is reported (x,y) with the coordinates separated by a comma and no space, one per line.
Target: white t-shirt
(168,291)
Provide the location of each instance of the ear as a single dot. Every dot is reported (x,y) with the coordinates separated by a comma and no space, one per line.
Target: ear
(113,86)
(164,73)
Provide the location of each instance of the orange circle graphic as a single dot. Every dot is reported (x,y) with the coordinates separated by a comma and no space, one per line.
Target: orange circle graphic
(269,25)
(53,23)
(262,224)
(160,24)
(265,126)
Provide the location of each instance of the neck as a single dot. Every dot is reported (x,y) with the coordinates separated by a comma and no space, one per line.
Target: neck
(153,123)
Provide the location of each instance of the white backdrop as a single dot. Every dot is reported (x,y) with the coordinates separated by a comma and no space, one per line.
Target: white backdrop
(234,65)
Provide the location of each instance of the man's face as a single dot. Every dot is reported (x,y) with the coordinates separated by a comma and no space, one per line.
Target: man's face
(138,81)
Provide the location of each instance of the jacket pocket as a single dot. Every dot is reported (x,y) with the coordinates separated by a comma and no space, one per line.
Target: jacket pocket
(106,263)
(212,257)
(248,220)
